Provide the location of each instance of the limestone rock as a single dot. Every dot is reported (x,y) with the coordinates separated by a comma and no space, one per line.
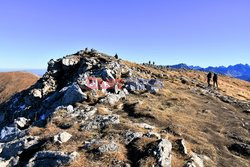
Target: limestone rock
(21,122)
(9,133)
(163,153)
(101,121)
(111,147)
(130,136)
(16,147)
(72,95)
(62,137)
(51,159)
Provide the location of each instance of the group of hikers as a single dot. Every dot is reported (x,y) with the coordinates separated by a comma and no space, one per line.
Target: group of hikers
(215,79)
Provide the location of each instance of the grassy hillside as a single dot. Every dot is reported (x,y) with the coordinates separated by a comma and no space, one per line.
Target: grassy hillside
(14,82)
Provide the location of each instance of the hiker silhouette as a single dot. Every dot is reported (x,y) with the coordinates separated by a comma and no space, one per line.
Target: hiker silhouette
(215,80)
(209,76)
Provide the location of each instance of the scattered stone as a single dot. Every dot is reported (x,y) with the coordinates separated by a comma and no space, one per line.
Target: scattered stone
(111,147)
(163,153)
(153,134)
(51,159)
(21,122)
(70,108)
(184,80)
(88,144)
(240,148)
(101,121)
(130,136)
(145,126)
(62,137)
(182,146)
(112,99)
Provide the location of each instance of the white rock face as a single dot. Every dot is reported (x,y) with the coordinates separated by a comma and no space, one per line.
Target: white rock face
(62,137)
(163,153)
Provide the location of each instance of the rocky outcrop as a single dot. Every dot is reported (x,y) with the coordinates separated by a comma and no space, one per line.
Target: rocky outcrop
(51,158)
(163,153)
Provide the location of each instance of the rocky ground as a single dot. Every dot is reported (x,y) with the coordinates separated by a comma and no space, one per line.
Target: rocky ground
(63,120)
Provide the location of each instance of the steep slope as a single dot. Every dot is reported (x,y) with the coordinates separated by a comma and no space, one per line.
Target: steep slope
(14,82)
(91,109)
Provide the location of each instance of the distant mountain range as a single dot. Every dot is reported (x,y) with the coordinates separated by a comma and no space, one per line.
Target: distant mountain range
(241,71)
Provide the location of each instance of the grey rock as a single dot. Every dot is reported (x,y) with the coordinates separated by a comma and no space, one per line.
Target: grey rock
(9,133)
(70,61)
(111,147)
(72,95)
(101,121)
(130,136)
(51,159)
(240,148)
(16,147)
(70,108)
(21,122)
(83,113)
(163,153)
(36,93)
(153,134)
(62,137)
(112,99)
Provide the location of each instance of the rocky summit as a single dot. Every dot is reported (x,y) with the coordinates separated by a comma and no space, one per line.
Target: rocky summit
(92,109)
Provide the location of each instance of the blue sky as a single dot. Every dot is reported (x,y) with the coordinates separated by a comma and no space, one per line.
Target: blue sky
(196,32)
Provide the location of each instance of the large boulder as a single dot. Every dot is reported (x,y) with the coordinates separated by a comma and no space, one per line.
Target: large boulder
(16,147)
(163,153)
(51,159)
(72,95)
(9,133)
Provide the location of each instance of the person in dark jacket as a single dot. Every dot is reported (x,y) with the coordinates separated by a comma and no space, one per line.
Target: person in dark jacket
(209,76)
(215,80)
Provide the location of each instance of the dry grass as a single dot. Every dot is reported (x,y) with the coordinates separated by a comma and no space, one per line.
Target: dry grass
(14,82)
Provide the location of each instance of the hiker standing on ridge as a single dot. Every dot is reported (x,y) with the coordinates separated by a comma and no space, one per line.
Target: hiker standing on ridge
(209,76)
(215,80)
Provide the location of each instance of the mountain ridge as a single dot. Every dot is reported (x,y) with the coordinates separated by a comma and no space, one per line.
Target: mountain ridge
(240,71)
(92,109)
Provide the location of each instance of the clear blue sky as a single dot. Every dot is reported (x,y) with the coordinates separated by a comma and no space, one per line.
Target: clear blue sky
(196,32)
